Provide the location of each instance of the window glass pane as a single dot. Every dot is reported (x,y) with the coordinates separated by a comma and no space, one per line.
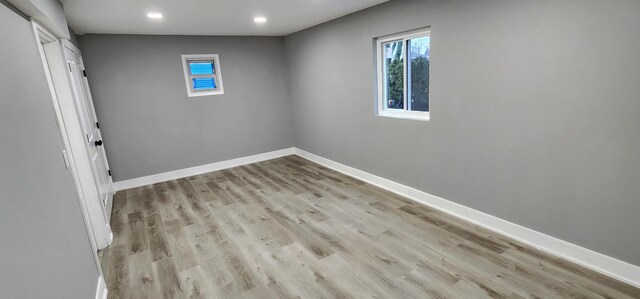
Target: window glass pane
(201,68)
(393,74)
(203,83)
(418,80)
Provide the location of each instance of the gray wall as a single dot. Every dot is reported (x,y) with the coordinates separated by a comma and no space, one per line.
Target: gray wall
(45,251)
(149,124)
(535,109)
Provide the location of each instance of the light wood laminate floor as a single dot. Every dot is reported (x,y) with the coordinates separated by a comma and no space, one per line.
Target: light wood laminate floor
(289,228)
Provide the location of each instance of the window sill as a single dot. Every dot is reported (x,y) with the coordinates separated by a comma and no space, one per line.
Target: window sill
(419,116)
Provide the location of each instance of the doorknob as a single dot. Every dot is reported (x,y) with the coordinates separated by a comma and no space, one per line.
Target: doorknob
(98,143)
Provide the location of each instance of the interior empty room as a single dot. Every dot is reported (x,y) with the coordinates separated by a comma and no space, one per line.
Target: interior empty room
(319,149)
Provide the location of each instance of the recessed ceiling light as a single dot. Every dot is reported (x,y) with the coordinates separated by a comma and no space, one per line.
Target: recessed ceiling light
(154,15)
(260,20)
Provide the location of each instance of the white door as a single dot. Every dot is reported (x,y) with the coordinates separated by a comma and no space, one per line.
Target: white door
(75,155)
(90,128)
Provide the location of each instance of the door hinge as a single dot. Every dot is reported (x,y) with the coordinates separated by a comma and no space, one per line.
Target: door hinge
(109,172)
(98,125)
(69,64)
(84,73)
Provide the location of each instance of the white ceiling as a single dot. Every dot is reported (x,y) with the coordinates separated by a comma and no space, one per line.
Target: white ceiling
(205,17)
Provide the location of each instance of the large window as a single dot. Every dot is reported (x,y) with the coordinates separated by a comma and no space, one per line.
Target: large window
(202,74)
(403,75)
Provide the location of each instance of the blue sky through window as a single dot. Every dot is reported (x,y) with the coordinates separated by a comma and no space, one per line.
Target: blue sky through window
(420,47)
(201,68)
(204,83)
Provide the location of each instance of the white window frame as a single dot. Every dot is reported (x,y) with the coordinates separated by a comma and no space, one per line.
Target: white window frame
(217,74)
(382,109)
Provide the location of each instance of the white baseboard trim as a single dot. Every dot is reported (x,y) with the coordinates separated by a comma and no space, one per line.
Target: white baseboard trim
(101,290)
(604,264)
(187,172)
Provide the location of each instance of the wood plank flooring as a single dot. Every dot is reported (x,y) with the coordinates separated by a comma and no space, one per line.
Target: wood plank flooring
(289,228)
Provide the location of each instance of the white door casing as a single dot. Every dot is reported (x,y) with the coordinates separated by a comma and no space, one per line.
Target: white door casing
(77,154)
(74,153)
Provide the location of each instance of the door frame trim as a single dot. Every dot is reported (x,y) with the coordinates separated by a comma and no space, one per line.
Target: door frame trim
(43,36)
(51,55)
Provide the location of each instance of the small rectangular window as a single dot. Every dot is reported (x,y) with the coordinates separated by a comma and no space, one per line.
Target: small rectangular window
(202,73)
(403,75)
